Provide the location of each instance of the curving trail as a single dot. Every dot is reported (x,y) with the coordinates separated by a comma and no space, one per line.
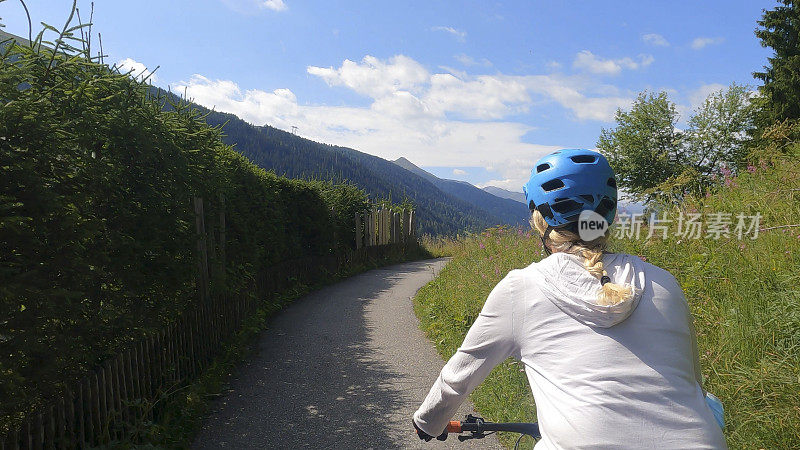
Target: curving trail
(344,367)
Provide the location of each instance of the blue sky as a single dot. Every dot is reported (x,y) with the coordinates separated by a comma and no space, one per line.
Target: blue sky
(471,90)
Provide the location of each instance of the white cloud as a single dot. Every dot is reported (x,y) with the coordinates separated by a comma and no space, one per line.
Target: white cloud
(590,62)
(459,172)
(470,61)
(568,94)
(427,140)
(460,35)
(402,87)
(483,97)
(702,42)
(655,39)
(275,5)
(136,69)
(373,77)
(432,118)
(278,107)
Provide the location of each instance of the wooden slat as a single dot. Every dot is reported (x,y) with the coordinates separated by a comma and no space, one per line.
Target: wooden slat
(118,381)
(61,423)
(50,428)
(14,439)
(124,389)
(102,409)
(38,430)
(222,238)
(70,430)
(108,406)
(80,416)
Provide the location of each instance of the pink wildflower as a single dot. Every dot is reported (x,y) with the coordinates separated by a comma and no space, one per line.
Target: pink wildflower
(741,246)
(751,168)
(497,271)
(480,244)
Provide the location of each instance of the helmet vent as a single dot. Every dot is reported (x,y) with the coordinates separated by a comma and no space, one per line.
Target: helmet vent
(542,167)
(566,206)
(612,182)
(605,206)
(544,208)
(583,159)
(552,185)
(588,198)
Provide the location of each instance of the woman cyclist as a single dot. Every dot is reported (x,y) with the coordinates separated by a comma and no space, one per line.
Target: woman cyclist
(606,340)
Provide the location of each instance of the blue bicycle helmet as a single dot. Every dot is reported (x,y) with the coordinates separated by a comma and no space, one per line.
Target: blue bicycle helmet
(567,182)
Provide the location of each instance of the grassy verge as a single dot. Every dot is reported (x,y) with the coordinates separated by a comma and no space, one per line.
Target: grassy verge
(744,295)
(448,305)
(182,409)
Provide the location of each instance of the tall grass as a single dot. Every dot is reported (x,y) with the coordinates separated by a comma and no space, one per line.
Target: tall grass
(744,295)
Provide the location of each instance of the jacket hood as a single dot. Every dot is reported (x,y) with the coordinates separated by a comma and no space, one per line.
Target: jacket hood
(566,282)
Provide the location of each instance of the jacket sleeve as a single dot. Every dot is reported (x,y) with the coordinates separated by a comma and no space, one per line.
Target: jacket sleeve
(488,342)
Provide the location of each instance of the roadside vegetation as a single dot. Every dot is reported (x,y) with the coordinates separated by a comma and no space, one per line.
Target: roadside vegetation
(98,234)
(738,159)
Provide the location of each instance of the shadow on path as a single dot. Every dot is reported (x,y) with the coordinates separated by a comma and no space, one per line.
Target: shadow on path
(316,379)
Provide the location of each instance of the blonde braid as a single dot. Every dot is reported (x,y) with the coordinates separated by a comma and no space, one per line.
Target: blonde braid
(592,253)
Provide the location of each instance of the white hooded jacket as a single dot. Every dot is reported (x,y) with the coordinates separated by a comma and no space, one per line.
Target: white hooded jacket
(625,376)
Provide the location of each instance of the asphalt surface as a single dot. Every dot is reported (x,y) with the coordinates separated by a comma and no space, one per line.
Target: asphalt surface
(344,367)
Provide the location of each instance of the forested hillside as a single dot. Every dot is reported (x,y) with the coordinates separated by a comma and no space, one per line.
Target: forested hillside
(447,210)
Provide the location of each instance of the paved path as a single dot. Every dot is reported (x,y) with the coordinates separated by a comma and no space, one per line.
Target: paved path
(344,367)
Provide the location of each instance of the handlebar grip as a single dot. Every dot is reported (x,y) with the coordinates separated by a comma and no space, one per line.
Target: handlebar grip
(454,427)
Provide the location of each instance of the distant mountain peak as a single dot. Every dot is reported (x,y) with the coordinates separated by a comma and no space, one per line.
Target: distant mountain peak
(505,193)
(413,168)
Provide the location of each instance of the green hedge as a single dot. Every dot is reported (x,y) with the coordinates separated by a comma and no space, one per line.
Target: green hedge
(97,226)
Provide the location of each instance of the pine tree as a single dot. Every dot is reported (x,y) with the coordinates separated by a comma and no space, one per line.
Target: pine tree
(779,29)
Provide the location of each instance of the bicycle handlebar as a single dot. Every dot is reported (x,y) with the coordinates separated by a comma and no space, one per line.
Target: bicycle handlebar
(478,427)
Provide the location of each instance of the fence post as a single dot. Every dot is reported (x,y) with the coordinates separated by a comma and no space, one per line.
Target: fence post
(384,215)
(410,228)
(358,231)
(222,236)
(387,234)
(202,250)
(396,228)
(384,222)
(371,227)
(378,227)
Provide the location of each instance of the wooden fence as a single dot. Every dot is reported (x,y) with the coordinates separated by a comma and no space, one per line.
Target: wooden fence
(383,227)
(113,400)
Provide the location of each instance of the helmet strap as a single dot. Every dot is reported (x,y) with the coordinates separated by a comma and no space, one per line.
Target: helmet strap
(544,237)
